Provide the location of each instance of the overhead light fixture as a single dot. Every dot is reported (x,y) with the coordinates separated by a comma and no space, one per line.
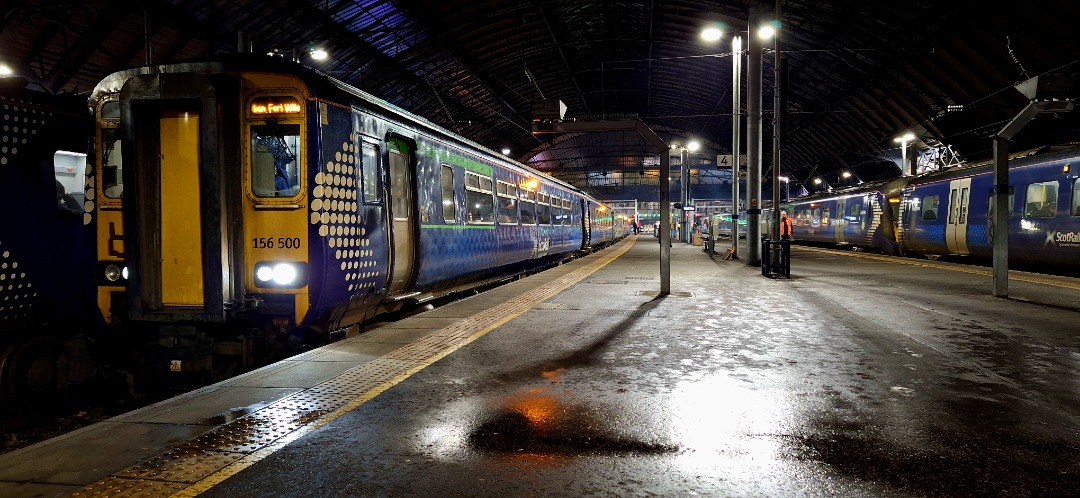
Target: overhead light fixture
(712,33)
(319,54)
(506,151)
(5,71)
(693,145)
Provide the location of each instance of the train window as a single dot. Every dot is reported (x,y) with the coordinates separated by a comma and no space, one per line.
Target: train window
(954,207)
(449,203)
(112,178)
(1076,198)
(929,208)
(1041,200)
(480,205)
(110,110)
(543,210)
(528,207)
(853,212)
(369,169)
(990,204)
(275,148)
(508,198)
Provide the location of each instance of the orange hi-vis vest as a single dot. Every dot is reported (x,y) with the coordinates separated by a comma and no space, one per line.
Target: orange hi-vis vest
(785,226)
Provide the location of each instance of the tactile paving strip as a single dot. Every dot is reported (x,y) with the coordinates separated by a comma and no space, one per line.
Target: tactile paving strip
(180,465)
(246,440)
(134,488)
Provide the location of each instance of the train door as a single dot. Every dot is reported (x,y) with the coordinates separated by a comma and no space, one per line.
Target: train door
(402,213)
(586,223)
(956,224)
(181,261)
(838,221)
(175,241)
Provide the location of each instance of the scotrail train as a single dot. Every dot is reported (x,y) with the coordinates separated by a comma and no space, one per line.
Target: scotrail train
(949,213)
(46,271)
(247,206)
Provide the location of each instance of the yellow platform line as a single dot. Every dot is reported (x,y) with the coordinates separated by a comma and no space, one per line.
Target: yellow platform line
(1063,282)
(475,327)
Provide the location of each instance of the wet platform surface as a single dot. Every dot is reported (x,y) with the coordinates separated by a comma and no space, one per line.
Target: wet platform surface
(859,376)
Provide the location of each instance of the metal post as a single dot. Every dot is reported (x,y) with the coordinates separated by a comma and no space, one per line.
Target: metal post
(665,219)
(736,120)
(1001,217)
(778,112)
(753,144)
(684,192)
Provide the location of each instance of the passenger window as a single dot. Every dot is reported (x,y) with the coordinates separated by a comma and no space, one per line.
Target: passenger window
(479,205)
(369,165)
(70,170)
(508,199)
(990,204)
(449,203)
(853,211)
(1076,198)
(528,207)
(1041,200)
(543,209)
(930,208)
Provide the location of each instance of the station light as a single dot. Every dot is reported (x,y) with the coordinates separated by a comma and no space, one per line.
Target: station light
(712,33)
(5,71)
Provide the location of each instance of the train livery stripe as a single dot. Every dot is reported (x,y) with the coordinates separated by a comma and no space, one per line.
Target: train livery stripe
(320,405)
(1016,276)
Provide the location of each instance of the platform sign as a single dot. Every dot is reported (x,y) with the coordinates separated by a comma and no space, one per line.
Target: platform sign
(689,208)
(723,161)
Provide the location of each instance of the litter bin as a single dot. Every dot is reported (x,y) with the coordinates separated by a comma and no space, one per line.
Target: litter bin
(777,260)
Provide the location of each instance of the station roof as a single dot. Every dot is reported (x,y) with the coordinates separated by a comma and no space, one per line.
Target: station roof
(859,73)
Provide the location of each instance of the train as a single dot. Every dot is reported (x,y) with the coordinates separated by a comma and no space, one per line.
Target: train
(47,310)
(948,213)
(247,207)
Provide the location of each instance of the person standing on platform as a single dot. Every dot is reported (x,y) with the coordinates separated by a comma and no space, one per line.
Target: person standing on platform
(785,226)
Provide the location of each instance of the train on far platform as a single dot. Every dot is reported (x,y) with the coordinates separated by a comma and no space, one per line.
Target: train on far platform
(949,213)
(247,207)
(47,311)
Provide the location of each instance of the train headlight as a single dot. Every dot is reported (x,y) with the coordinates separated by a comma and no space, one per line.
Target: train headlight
(280,274)
(112,273)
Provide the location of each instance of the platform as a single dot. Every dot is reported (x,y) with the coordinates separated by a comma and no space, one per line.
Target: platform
(861,375)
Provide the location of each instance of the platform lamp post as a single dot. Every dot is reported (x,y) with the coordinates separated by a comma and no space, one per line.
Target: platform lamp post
(904,140)
(711,34)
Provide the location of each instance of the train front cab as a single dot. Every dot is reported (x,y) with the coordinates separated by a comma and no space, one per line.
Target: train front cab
(207,230)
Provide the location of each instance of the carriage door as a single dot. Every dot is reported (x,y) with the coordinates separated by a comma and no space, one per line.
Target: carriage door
(956,227)
(839,221)
(586,220)
(402,214)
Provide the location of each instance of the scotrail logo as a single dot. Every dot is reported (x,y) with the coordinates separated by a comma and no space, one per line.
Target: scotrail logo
(1063,239)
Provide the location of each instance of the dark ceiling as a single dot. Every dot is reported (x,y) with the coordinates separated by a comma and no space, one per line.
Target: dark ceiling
(859,73)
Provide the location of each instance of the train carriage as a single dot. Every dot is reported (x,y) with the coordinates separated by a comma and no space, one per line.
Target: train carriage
(949,213)
(46,304)
(250,190)
(859,218)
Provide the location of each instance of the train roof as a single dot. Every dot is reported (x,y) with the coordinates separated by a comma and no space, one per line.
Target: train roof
(318,83)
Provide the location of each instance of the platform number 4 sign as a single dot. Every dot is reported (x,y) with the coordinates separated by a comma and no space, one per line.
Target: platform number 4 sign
(723,161)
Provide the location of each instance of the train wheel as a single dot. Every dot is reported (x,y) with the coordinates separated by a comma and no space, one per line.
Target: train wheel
(34,374)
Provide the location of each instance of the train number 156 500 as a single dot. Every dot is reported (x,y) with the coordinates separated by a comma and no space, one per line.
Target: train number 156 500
(271,243)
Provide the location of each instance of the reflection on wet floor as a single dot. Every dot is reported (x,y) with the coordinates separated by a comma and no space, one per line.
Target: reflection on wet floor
(537,422)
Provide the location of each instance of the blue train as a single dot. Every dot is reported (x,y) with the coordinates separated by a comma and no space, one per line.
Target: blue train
(251,193)
(47,309)
(949,213)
